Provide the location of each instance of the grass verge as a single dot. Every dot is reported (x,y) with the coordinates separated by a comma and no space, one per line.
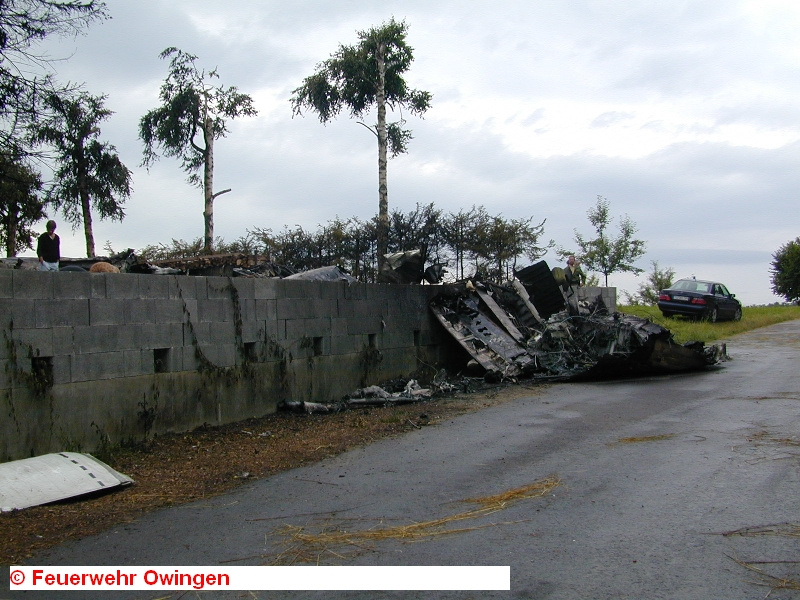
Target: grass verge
(687,330)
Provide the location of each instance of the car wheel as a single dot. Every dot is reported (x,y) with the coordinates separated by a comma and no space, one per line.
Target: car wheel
(711,314)
(667,314)
(737,316)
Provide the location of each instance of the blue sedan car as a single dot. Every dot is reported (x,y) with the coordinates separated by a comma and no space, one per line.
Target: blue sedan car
(709,300)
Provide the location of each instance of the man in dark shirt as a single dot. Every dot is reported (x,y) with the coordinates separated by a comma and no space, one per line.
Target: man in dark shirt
(574,273)
(49,248)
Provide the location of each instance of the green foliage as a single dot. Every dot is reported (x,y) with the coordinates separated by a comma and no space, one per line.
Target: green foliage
(20,204)
(191,249)
(472,241)
(351,78)
(604,253)
(193,113)
(26,74)
(657,280)
(358,78)
(191,108)
(89,173)
(786,271)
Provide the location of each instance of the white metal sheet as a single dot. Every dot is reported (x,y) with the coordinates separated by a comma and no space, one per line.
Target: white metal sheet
(52,477)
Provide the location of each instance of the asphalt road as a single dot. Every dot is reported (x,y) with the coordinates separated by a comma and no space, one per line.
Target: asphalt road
(652,473)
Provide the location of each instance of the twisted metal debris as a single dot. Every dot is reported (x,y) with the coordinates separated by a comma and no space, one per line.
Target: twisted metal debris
(504,333)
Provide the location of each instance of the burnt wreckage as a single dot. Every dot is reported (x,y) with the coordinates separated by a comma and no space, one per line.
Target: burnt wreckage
(535,327)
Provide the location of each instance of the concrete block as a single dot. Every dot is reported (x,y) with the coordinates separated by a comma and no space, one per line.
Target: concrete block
(6,283)
(221,332)
(280,330)
(107,311)
(245,287)
(196,333)
(6,312)
(119,285)
(33,342)
(5,379)
(160,335)
(252,331)
(396,338)
(304,328)
(219,288)
(140,310)
(324,307)
(299,288)
(338,326)
(78,285)
(63,341)
(168,311)
(138,362)
(188,356)
(99,365)
(265,288)
(33,284)
(295,308)
(365,324)
(62,369)
(23,313)
(247,309)
(346,344)
(156,286)
(266,309)
(215,310)
(189,308)
(187,287)
(221,356)
(271,329)
(61,313)
(106,338)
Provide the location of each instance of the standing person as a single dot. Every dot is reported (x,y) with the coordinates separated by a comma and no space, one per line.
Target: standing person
(573,272)
(49,248)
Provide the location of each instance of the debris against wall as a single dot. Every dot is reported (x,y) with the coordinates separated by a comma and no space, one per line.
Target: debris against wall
(504,334)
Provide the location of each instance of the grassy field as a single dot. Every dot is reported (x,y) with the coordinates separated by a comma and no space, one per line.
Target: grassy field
(686,330)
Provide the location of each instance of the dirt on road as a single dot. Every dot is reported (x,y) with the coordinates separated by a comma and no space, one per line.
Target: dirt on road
(178,468)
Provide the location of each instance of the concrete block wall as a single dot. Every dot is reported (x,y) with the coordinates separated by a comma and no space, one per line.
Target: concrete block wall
(94,358)
(608,294)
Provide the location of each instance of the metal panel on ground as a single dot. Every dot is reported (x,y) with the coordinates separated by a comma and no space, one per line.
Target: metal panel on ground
(53,477)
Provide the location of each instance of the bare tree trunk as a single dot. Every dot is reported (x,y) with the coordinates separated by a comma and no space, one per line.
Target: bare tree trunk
(11,230)
(87,224)
(383,190)
(208,187)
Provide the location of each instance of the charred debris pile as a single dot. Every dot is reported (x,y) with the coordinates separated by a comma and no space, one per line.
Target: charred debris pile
(535,327)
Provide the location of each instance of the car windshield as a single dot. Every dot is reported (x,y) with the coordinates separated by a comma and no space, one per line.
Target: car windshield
(690,285)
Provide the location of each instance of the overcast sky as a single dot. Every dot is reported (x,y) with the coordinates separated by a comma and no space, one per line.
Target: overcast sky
(683,114)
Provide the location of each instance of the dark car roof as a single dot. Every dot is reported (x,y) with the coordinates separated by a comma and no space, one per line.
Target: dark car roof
(697,280)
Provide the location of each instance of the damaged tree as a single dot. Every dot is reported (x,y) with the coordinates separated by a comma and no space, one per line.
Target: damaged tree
(192,116)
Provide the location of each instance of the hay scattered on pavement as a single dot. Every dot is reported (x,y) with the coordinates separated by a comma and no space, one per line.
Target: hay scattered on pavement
(332,540)
(788,529)
(774,582)
(765,436)
(645,438)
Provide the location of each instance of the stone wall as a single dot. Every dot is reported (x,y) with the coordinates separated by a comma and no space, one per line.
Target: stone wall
(94,358)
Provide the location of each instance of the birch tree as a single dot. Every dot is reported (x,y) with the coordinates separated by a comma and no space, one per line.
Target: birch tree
(191,117)
(362,77)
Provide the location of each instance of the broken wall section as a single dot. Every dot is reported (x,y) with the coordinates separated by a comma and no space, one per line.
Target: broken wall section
(88,359)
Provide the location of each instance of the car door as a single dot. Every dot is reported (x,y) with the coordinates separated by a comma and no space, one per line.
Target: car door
(726,306)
